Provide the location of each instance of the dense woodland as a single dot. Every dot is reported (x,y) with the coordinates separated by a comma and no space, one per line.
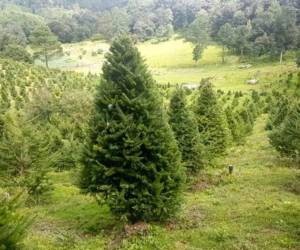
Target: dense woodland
(134,146)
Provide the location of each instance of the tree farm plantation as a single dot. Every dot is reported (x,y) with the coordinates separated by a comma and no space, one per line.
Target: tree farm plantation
(149,125)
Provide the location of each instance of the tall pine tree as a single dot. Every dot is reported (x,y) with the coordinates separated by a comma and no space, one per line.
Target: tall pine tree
(132,157)
(186,132)
(212,124)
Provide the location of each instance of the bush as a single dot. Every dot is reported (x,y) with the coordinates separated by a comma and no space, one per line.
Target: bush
(97,37)
(17,53)
(100,51)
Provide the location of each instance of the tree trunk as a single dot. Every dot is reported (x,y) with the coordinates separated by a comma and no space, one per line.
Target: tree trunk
(242,54)
(223,54)
(281,56)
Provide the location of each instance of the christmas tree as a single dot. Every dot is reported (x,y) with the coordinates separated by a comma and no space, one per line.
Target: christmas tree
(132,157)
(212,124)
(186,132)
(286,137)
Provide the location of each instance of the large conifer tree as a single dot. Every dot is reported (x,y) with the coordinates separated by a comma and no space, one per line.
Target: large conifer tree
(186,132)
(212,124)
(131,157)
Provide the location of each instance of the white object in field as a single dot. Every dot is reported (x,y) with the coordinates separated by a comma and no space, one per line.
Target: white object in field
(252,81)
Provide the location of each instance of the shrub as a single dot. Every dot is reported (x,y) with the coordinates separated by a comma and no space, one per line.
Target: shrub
(17,53)
(100,51)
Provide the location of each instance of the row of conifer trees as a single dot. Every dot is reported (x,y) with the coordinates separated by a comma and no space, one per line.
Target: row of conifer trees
(284,117)
(137,157)
(43,116)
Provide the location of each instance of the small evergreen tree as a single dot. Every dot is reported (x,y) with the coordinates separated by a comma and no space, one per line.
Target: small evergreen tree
(286,137)
(132,157)
(233,124)
(13,225)
(21,148)
(24,154)
(278,111)
(186,132)
(211,121)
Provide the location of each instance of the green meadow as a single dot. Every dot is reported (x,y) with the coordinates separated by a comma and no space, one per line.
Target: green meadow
(257,207)
(171,62)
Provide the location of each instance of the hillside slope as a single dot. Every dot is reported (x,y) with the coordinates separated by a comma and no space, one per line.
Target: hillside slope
(258,207)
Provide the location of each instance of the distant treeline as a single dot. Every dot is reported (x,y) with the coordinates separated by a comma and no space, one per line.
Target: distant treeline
(244,27)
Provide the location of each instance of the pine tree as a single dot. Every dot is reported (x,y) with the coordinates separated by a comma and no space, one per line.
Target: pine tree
(233,124)
(24,154)
(21,148)
(278,111)
(211,121)
(286,137)
(13,225)
(132,157)
(186,132)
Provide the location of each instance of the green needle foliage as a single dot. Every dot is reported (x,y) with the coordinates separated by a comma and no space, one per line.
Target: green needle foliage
(186,132)
(278,111)
(132,157)
(286,137)
(25,154)
(212,124)
(21,146)
(13,225)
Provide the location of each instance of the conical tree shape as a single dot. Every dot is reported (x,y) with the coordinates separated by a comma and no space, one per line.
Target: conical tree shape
(233,124)
(212,125)
(186,132)
(132,157)
(278,111)
(286,138)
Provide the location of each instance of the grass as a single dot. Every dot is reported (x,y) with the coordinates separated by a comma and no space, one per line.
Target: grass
(171,62)
(258,207)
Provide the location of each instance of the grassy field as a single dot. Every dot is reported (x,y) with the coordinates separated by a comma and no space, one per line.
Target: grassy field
(171,62)
(258,207)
